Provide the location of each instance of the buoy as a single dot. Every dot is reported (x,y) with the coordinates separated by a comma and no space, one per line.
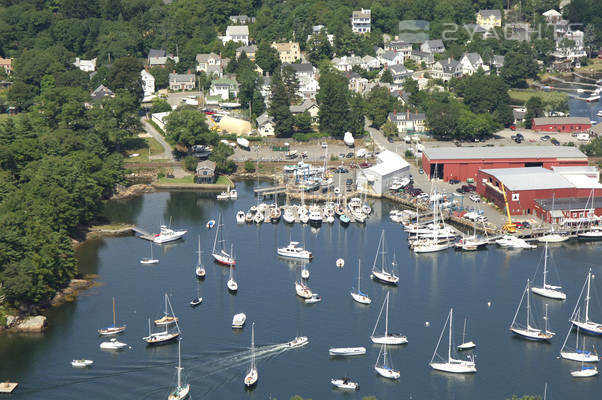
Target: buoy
(427,324)
(340,263)
(488,304)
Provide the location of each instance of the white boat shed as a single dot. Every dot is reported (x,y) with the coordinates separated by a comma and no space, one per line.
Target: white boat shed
(377,179)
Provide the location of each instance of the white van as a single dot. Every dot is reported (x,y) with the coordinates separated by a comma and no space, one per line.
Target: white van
(584,137)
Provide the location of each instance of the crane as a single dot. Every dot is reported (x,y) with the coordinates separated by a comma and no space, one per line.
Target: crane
(509,226)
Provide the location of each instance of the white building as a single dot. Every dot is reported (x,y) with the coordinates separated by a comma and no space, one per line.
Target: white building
(148,83)
(265,125)
(308,87)
(159,119)
(236,33)
(377,179)
(361,21)
(471,62)
(85,65)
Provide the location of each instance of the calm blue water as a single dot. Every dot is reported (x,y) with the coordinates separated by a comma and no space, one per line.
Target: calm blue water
(215,357)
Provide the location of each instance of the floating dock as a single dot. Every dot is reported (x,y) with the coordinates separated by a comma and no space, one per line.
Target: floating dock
(142,234)
(8,387)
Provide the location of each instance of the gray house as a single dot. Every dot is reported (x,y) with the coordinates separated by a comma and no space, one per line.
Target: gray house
(181,81)
(447,69)
(205,172)
(433,46)
(158,58)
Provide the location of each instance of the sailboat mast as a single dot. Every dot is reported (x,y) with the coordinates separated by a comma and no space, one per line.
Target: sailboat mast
(358,275)
(179,366)
(113,311)
(253,346)
(199,251)
(382,255)
(589,279)
(387,317)
(451,317)
(464,331)
(166,313)
(545,266)
(546,319)
(528,305)
(219,221)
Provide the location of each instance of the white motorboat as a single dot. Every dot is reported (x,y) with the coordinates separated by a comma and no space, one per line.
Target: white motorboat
(382,275)
(180,392)
(223,196)
(553,238)
(452,365)
(240,217)
(385,368)
(315,298)
(471,243)
(586,371)
(210,224)
(199,271)
(340,263)
(294,251)
(252,375)
(599,113)
(302,290)
(259,218)
(528,331)
(112,344)
(167,318)
(358,296)
(304,218)
(359,216)
(577,354)
(289,216)
(466,345)
(249,217)
(151,259)
(594,233)
(387,338)
(160,337)
(81,363)
(231,284)
(547,290)
(315,215)
(238,321)
(233,194)
(346,351)
(513,242)
(330,219)
(583,322)
(299,341)
(219,246)
(196,301)
(168,235)
(113,329)
(345,383)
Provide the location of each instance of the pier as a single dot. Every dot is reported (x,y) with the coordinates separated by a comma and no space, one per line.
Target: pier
(142,234)
(269,191)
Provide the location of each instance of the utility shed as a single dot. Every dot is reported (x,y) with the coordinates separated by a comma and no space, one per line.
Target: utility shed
(377,179)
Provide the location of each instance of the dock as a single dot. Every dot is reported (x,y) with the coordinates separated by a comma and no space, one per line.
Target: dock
(8,387)
(269,191)
(142,234)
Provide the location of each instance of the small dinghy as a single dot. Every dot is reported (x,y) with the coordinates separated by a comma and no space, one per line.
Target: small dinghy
(340,263)
(81,363)
(238,321)
(346,351)
(210,224)
(196,301)
(315,298)
(345,383)
(298,342)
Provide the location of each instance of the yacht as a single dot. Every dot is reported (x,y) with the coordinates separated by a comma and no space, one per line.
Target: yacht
(112,344)
(167,235)
(240,217)
(298,342)
(315,298)
(345,383)
(238,321)
(289,216)
(294,251)
(302,290)
(513,242)
(315,215)
(347,351)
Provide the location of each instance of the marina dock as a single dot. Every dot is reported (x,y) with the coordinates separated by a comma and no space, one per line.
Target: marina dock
(142,234)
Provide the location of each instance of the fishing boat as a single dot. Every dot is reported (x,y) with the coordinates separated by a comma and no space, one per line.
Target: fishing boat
(513,242)
(344,219)
(346,351)
(381,274)
(252,375)
(547,290)
(219,253)
(466,345)
(385,368)
(294,251)
(240,217)
(345,384)
(302,290)
(299,341)
(112,344)
(180,392)
(577,354)
(160,337)
(528,331)
(81,363)
(358,296)
(199,271)
(238,321)
(452,365)
(583,322)
(113,329)
(315,298)
(210,224)
(151,259)
(167,319)
(231,284)
(167,235)
(387,338)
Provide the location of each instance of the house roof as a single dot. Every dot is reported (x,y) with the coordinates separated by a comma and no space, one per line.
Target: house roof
(306,105)
(422,54)
(530,178)
(473,58)
(203,58)
(100,92)
(264,118)
(569,203)
(488,13)
(448,65)
(396,44)
(368,59)
(597,129)
(206,164)
(498,60)
(157,53)
(551,13)
(435,43)
(485,153)
(181,77)
(247,49)
(287,46)
(561,120)
(401,116)
(519,113)
(388,162)
(361,14)
(237,30)
(300,67)
(224,81)
(398,69)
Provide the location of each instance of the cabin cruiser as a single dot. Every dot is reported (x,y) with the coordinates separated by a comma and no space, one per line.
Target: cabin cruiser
(294,251)
(315,215)
(167,235)
(513,242)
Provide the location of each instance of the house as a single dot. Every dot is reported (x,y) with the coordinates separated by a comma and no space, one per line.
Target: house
(433,46)
(85,65)
(148,83)
(308,105)
(370,63)
(224,88)
(210,64)
(519,114)
(236,33)
(265,125)
(569,45)
(158,58)
(288,52)
(346,63)
(361,21)
(552,16)
(242,19)
(471,62)
(391,58)
(399,73)
(497,62)
(249,51)
(446,69)
(357,83)
(301,69)
(419,57)
(7,64)
(181,81)
(308,87)
(205,172)
(266,89)
(489,19)
(408,122)
(100,93)
(317,29)
(399,46)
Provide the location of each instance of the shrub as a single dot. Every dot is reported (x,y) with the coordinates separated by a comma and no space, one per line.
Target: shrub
(249,166)
(190,163)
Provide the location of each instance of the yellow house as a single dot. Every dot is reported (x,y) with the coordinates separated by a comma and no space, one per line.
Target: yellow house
(489,18)
(288,52)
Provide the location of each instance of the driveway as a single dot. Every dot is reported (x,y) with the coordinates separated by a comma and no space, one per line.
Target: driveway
(167,150)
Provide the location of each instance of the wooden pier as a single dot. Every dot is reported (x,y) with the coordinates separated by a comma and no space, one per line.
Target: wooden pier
(269,191)
(142,234)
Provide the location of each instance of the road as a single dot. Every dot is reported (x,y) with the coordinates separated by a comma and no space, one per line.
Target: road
(167,150)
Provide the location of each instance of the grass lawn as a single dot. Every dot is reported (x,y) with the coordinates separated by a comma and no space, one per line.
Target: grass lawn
(109,227)
(522,96)
(595,66)
(189,179)
(223,180)
(149,142)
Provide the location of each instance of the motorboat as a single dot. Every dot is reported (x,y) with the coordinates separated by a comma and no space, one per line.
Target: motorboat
(346,351)
(249,217)
(384,368)
(275,215)
(315,298)
(81,363)
(238,321)
(112,344)
(252,375)
(210,224)
(113,329)
(259,217)
(452,365)
(340,263)
(168,235)
(196,301)
(289,216)
(344,219)
(299,341)
(513,242)
(294,251)
(304,218)
(302,290)
(471,243)
(599,113)
(180,392)
(223,196)
(359,217)
(345,384)
(240,217)
(388,338)
(528,331)
(315,215)
(233,194)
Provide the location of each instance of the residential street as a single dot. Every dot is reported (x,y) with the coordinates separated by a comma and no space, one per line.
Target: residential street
(167,150)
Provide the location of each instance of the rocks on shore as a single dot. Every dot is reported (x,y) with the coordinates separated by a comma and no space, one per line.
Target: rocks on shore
(70,292)
(31,324)
(124,192)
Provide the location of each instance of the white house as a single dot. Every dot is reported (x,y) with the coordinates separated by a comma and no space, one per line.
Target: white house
(408,122)
(265,125)
(85,65)
(399,46)
(357,83)
(224,88)
(399,73)
(210,64)
(361,21)
(308,105)
(552,16)
(446,69)
(236,33)
(420,57)
(148,83)
(433,46)
(181,81)
(308,87)
(301,69)
(376,180)
(370,63)
(471,62)
(391,58)
(346,63)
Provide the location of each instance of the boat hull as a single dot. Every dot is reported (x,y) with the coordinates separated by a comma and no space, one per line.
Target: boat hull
(579,357)
(170,238)
(149,261)
(224,260)
(535,335)
(462,367)
(345,384)
(594,235)
(387,372)
(360,298)
(390,339)
(549,293)
(467,346)
(347,351)
(592,328)
(251,378)
(385,277)
(585,373)
(112,330)
(179,393)
(162,338)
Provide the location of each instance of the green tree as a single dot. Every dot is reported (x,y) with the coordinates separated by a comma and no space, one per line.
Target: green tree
(518,67)
(379,103)
(125,74)
(333,100)
(160,105)
(387,76)
(357,112)
(535,108)
(291,83)
(250,166)
(161,76)
(267,57)
(188,126)
(220,155)
(319,48)
(303,122)
(389,129)
(280,108)
(190,163)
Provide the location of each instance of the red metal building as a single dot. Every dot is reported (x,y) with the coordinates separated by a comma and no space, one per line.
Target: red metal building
(464,162)
(561,124)
(569,211)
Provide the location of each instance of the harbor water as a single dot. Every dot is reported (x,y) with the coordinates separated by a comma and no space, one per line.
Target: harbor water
(484,286)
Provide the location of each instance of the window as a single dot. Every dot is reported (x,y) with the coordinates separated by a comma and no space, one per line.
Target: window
(204,172)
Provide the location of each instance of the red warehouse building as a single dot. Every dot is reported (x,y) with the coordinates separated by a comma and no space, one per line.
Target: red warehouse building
(464,162)
(561,124)
(570,211)
(524,186)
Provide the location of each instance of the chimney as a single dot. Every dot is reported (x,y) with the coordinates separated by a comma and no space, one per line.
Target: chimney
(174,71)
(408,114)
(146,67)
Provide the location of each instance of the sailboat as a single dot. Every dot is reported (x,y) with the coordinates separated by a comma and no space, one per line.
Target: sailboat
(359,296)
(161,337)
(577,354)
(303,290)
(528,331)
(584,323)
(232,285)
(180,392)
(387,338)
(466,345)
(546,289)
(252,376)
(593,232)
(586,371)
(113,329)
(221,256)
(383,275)
(150,260)
(167,318)
(200,268)
(305,272)
(198,299)
(452,365)
(385,368)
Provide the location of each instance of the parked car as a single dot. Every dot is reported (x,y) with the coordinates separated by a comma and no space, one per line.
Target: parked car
(475,197)
(513,127)
(454,181)
(555,142)
(421,171)
(518,224)
(423,196)
(365,164)
(390,139)
(349,181)
(349,155)
(342,155)
(545,138)
(324,145)
(341,170)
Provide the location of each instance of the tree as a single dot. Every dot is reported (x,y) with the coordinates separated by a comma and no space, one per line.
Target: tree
(319,48)
(488,94)
(267,57)
(125,74)
(220,155)
(190,163)
(387,76)
(333,99)
(518,67)
(250,166)
(249,92)
(589,38)
(280,108)
(188,126)
(160,105)
(389,129)
(442,118)
(535,108)
(303,122)
(379,103)
(291,83)
(161,76)
(357,112)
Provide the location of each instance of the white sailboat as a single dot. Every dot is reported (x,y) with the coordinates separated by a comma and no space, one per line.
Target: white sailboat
(198,299)
(200,268)
(528,331)
(387,338)
(385,368)
(151,259)
(584,323)
(593,232)
(289,216)
(305,272)
(466,345)
(585,371)
(166,335)
(302,290)
(113,329)
(547,290)
(252,375)
(167,318)
(358,296)
(452,365)
(180,392)
(381,274)
(577,354)
(220,255)
(232,285)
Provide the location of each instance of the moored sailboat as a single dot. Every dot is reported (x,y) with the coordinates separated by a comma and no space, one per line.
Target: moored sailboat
(385,368)
(382,275)
(547,290)
(113,329)
(387,338)
(584,323)
(252,375)
(219,250)
(151,259)
(577,354)
(452,364)
(200,268)
(528,331)
(358,296)
(167,319)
